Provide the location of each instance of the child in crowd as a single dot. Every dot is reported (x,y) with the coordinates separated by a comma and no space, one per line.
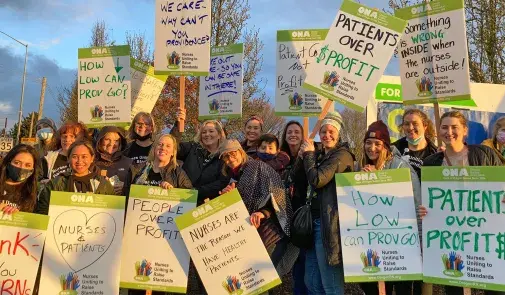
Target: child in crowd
(270,153)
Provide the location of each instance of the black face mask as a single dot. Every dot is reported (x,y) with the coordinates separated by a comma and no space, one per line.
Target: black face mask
(142,138)
(17,174)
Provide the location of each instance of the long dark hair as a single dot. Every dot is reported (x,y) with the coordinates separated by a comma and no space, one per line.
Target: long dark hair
(284,143)
(27,197)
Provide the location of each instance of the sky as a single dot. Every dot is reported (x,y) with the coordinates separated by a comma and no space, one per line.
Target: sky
(55,29)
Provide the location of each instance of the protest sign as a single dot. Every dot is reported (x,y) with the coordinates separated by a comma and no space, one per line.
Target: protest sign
(433,52)
(463,237)
(83,250)
(163,263)
(378,226)
(182,37)
(104,94)
(146,87)
(226,248)
(354,55)
(296,50)
(22,237)
(221,91)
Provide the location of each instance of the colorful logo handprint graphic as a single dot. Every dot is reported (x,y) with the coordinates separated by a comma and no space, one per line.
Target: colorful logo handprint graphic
(214,106)
(453,265)
(330,80)
(295,102)
(143,270)
(96,113)
(69,284)
(173,60)
(233,286)
(425,85)
(371,261)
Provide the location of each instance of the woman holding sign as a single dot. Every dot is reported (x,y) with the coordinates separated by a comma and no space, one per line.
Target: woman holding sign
(18,180)
(141,132)
(83,178)
(419,133)
(380,155)
(453,131)
(324,272)
(260,188)
(201,159)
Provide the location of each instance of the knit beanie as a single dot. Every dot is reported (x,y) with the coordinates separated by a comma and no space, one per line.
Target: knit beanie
(334,119)
(378,130)
(48,122)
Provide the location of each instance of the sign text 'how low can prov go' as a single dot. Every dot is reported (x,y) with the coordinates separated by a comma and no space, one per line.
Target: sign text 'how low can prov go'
(354,55)
(22,238)
(463,233)
(154,256)
(221,91)
(433,52)
(378,226)
(182,37)
(226,248)
(104,86)
(296,50)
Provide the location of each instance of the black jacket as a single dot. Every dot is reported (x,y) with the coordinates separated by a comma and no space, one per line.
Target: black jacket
(116,164)
(478,155)
(321,176)
(207,178)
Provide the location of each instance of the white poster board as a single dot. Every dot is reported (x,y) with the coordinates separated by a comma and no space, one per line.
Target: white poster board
(104,86)
(22,238)
(226,248)
(463,236)
(182,37)
(221,91)
(146,87)
(378,226)
(82,254)
(162,263)
(296,50)
(433,52)
(354,55)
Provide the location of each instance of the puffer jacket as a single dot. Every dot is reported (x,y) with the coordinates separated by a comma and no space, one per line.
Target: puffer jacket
(116,164)
(493,144)
(321,175)
(100,186)
(478,155)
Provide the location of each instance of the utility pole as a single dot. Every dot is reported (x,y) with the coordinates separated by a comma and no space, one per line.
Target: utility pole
(42,95)
(31,125)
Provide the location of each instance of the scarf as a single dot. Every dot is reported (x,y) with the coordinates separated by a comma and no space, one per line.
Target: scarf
(81,184)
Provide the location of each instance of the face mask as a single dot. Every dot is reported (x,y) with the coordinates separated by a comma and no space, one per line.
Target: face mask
(17,174)
(265,156)
(142,138)
(500,137)
(45,134)
(415,142)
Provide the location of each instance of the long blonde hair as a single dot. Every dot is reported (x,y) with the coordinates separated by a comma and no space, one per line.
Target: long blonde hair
(173,161)
(219,129)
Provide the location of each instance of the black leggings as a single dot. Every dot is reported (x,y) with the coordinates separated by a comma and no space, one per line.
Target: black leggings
(401,288)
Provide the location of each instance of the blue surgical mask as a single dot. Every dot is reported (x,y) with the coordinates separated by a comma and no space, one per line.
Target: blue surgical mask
(265,156)
(416,141)
(45,133)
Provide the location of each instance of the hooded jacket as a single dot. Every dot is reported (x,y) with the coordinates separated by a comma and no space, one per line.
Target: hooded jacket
(116,164)
(321,176)
(100,186)
(41,147)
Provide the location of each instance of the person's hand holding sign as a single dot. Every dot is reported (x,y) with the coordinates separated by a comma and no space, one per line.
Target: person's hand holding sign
(181,114)
(256,219)
(166,185)
(228,188)
(7,209)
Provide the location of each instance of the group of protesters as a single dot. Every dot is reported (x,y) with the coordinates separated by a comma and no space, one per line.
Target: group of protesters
(274,176)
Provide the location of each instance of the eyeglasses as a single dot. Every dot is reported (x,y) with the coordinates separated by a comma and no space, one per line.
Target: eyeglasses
(229,155)
(142,125)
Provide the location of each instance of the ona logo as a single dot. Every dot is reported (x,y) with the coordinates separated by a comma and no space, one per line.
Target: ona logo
(421,9)
(202,210)
(5,216)
(99,51)
(455,172)
(365,176)
(140,65)
(300,34)
(368,12)
(217,50)
(157,191)
(82,198)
